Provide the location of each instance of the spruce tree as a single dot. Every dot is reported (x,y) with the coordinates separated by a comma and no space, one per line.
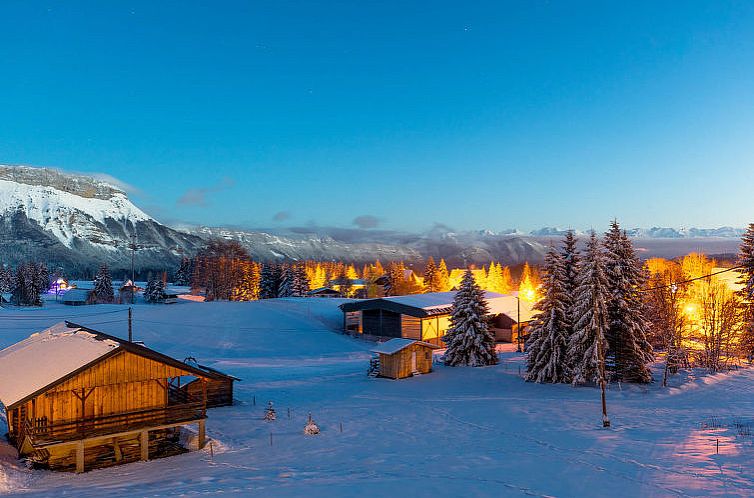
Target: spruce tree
(155,291)
(443,277)
(269,281)
(286,285)
(469,340)
(629,351)
(746,262)
(548,341)
(430,275)
(103,285)
(184,272)
(6,279)
(586,349)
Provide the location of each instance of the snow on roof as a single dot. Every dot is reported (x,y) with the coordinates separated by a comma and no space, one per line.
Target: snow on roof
(506,304)
(44,357)
(76,295)
(394,345)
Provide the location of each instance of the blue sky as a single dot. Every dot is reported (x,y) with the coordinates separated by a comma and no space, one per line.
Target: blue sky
(471,114)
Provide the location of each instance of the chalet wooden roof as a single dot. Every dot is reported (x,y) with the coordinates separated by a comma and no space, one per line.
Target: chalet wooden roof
(399,344)
(51,357)
(441,303)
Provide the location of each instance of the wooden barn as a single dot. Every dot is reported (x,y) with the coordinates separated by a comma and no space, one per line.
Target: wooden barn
(401,358)
(323,292)
(219,387)
(78,297)
(426,317)
(78,399)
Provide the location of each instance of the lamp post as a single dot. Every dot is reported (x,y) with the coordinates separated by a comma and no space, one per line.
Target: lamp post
(520,347)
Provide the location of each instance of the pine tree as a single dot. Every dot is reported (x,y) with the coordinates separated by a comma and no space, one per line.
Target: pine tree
(469,339)
(155,291)
(548,341)
(286,286)
(300,283)
(506,285)
(430,276)
(103,286)
(443,277)
(586,349)
(6,279)
(571,260)
(629,350)
(746,262)
(184,272)
(269,281)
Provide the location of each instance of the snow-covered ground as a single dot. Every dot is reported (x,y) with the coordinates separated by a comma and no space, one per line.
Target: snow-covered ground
(454,432)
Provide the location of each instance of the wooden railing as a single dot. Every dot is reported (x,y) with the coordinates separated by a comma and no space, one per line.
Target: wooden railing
(72,430)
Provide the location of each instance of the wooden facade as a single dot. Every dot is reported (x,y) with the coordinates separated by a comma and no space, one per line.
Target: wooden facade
(407,317)
(124,404)
(412,359)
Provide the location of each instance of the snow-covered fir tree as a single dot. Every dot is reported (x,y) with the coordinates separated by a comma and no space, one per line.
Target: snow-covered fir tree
(31,280)
(103,285)
(586,349)
(629,351)
(469,340)
(269,281)
(155,291)
(300,284)
(6,279)
(184,272)
(285,287)
(443,276)
(550,332)
(430,276)
(746,262)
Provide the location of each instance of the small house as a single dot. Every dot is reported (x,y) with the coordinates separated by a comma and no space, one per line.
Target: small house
(127,292)
(78,297)
(426,317)
(323,292)
(401,358)
(78,399)
(219,386)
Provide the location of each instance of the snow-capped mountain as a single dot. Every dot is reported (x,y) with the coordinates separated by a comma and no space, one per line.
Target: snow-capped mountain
(78,222)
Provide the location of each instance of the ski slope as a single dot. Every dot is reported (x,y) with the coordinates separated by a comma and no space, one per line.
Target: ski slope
(455,432)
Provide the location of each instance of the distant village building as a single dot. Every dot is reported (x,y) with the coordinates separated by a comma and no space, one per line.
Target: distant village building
(323,292)
(78,297)
(426,317)
(78,399)
(401,358)
(127,292)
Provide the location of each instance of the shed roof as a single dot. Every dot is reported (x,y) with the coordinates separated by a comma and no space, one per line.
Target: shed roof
(44,357)
(76,295)
(394,345)
(441,303)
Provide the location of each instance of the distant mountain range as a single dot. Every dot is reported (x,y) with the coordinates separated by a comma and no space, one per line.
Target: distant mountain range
(77,222)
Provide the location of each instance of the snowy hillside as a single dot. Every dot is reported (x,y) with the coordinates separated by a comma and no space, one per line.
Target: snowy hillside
(453,432)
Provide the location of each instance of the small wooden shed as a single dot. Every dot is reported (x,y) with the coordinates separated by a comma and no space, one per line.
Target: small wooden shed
(401,358)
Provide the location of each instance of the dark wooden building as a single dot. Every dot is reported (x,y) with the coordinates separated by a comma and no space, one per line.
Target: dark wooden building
(78,399)
(401,358)
(426,317)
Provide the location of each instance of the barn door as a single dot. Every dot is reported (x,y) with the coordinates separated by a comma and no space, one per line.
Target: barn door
(413,361)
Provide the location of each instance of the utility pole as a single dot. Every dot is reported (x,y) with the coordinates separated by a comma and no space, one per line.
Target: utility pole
(130,326)
(133,248)
(520,348)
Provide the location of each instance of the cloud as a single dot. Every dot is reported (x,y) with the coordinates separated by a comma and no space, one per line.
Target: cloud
(116,182)
(366,221)
(281,216)
(198,196)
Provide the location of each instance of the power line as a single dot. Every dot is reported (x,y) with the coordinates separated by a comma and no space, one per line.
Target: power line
(46,317)
(672,284)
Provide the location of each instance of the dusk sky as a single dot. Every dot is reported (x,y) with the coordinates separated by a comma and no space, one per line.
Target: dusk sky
(400,115)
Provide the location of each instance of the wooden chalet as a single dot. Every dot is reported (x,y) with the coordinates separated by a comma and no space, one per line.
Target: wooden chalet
(323,292)
(426,317)
(401,358)
(78,399)
(78,297)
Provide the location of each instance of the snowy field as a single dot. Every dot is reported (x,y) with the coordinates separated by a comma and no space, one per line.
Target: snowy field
(455,432)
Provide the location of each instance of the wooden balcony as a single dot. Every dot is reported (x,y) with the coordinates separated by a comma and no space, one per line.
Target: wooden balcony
(42,434)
